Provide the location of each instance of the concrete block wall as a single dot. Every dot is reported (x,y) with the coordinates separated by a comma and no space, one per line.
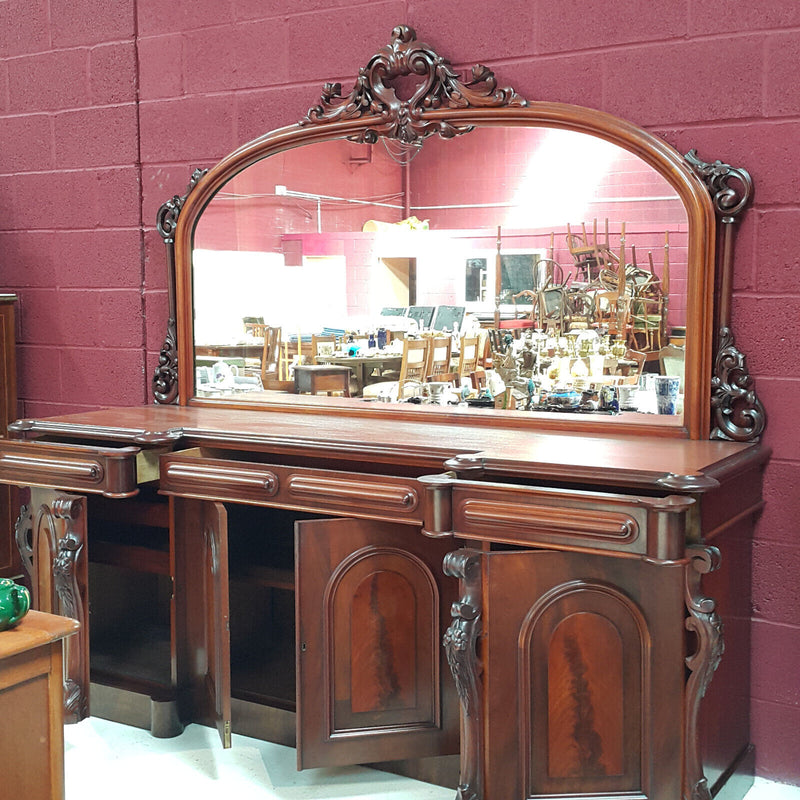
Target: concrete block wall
(107,105)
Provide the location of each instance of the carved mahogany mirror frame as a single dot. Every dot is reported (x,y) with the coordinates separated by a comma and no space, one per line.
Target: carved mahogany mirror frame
(719,399)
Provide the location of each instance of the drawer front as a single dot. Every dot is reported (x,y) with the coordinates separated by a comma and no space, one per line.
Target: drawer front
(643,526)
(94,470)
(196,473)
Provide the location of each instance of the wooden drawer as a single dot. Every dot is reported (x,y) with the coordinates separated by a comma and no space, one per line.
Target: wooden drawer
(211,474)
(95,470)
(569,519)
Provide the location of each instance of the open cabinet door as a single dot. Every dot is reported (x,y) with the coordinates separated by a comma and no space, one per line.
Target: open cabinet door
(372,678)
(202,614)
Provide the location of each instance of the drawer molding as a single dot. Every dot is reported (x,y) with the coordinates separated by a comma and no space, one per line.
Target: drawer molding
(401,498)
(551,520)
(230,478)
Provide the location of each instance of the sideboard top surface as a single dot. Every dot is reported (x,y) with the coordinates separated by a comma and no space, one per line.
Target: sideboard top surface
(633,461)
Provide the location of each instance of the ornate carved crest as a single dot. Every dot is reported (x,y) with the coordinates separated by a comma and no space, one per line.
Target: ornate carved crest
(405,119)
(165,378)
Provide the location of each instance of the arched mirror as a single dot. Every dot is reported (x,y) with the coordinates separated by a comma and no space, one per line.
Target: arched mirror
(460,253)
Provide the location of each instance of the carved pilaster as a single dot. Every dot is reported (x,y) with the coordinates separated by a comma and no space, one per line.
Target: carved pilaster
(60,588)
(165,379)
(459,642)
(405,120)
(22,534)
(69,550)
(705,623)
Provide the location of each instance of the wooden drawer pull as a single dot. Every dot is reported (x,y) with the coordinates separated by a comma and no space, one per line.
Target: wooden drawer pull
(53,469)
(374,493)
(227,477)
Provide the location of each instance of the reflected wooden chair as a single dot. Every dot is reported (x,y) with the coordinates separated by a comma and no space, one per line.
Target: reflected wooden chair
(590,253)
(322,346)
(412,370)
(632,367)
(270,355)
(553,309)
(612,313)
(439,354)
(469,356)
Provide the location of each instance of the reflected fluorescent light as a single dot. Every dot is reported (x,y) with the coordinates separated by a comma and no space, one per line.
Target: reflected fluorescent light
(561,179)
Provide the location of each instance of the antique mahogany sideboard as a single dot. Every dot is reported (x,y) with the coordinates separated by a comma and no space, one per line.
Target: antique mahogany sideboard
(521,604)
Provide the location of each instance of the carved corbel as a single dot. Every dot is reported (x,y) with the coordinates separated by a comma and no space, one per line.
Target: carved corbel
(165,378)
(706,625)
(460,642)
(736,411)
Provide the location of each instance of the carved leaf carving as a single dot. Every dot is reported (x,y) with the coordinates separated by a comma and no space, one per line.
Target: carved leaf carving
(440,86)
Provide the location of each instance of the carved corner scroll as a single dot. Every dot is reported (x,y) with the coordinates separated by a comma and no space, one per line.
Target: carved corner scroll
(460,640)
(706,624)
(165,378)
(405,120)
(737,412)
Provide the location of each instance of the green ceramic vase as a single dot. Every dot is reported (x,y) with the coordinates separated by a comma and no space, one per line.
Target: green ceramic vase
(15,601)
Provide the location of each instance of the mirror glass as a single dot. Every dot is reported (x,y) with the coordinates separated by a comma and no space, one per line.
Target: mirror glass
(551,263)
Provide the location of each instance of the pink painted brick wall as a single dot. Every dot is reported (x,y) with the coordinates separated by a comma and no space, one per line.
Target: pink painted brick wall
(107,105)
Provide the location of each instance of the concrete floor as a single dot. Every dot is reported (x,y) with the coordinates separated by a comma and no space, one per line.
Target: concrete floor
(106,759)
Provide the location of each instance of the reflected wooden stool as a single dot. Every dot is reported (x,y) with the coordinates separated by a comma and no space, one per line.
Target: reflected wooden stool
(316,378)
(32,706)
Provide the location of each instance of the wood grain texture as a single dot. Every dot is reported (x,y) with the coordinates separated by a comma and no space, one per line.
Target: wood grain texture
(372,680)
(603,460)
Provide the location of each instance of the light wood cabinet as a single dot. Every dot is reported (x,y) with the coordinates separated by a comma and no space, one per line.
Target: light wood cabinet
(31,706)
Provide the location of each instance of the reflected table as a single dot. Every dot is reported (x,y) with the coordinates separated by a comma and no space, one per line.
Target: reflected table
(362,366)
(243,350)
(328,378)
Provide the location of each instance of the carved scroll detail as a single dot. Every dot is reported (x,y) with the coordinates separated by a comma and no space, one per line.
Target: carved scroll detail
(459,642)
(737,412)
(23,528)
(405,120)
(706,624)
(731,188)
(165,378)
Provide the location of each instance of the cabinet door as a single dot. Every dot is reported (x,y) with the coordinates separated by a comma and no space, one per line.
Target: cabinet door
(583,676)
(372,604)
(202,613)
